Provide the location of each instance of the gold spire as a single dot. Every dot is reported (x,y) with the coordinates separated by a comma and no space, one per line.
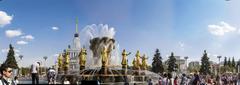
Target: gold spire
(77,25)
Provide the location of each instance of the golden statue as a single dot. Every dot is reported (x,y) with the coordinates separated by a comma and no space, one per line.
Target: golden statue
(144,62)
(60,62)
(67,58)
(104,55)
(66,62)
(82,57)
(134,64)
(138,61)
(124,58)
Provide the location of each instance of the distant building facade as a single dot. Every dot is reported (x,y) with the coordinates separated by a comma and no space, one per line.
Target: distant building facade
(181,63)
(74,50)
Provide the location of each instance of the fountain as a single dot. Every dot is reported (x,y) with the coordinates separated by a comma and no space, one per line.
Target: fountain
(99,60)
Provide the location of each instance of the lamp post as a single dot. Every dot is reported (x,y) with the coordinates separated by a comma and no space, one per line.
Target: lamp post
(45,58)
(219,57)
(186,57)
(20,56)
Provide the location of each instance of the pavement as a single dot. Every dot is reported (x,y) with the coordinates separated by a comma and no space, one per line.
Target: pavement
(29,81)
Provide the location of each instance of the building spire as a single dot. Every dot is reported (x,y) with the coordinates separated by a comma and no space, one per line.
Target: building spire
(76,24)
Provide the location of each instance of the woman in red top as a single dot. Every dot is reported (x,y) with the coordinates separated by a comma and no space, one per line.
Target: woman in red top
(176,81)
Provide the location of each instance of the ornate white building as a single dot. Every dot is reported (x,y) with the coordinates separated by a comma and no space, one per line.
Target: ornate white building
(74,50)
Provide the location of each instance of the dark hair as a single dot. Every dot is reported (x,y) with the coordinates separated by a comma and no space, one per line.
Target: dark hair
(183,74)
(165,75)
(38,63)
(176,77)
(169,75)
(15,78)
(4,68)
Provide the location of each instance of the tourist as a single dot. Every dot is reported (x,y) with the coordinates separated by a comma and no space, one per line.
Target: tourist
(34,72)
(210,80)
(66,81)
(170,80)
(184,80)
(98,83)
(176,80)
(73,81)
(203,80)
(126,81)
(224,79)
(51,74)
(165,79)
(218,80)
(16,80)
(238,79)
(150,82)
(6,79)
(160,81)
(190,79)
(235,79)
(196,80)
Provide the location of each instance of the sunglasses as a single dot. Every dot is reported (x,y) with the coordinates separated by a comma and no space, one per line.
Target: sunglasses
(10,71)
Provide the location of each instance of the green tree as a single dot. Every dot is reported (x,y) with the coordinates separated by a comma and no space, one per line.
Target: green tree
(229,62)
(224,69)
(157,65)
(205,67)
(25,71)
(225,61)
(11,61)
(233,63)
(172,66)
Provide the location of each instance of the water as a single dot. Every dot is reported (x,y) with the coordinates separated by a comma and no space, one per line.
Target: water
(99,31)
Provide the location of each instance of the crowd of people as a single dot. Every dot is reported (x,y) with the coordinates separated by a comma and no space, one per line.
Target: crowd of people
(196,79)
(165,79)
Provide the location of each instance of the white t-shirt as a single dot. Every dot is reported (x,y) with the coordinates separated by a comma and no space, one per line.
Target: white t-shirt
(66,82)
(34,68)
(164,81)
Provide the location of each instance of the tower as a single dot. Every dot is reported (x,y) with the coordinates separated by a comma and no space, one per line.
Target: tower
(74,50)
(76,39)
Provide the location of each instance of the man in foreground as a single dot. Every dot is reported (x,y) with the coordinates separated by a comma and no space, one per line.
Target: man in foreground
(6,79)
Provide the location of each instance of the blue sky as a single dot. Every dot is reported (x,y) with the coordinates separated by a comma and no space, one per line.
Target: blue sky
(185,27)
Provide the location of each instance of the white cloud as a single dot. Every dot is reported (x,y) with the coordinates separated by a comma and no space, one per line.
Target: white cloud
(21,42)
(221,29)
(13,33)
(4,50)
(5,19)
(55,28)
(28,37)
